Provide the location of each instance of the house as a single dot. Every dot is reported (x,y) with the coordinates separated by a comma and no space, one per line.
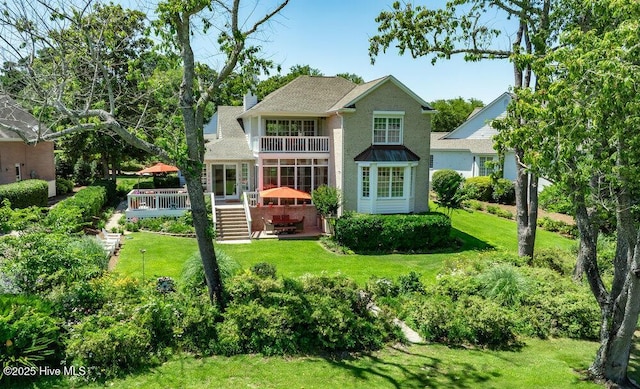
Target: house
(371,141)
(470,147)
(22,156)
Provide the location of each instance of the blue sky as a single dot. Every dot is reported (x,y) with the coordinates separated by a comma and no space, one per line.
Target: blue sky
(333,36)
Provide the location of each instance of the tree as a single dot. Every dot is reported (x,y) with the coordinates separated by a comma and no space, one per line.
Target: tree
(30,30)
(582,120)
(462,28)
(278,81)
(452,112)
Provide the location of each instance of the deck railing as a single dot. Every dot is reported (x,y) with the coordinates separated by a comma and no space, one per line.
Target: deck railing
(157,199)
(247,212)
(294,144)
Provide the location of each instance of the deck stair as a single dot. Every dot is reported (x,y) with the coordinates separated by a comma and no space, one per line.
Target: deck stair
(231,223)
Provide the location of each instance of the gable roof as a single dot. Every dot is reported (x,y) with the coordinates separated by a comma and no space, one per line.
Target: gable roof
(360,91)
(475,134)
(321,96)
(12,115)
(313,95)
(229,142)
(479,119)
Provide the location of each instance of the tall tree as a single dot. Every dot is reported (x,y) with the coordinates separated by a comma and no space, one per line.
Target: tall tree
(29,29)
(462,28)
(583,121)
(279,80)
(452,112)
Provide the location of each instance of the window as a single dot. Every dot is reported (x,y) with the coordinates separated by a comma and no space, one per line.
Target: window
(390,182)
(304,174)
(431,161)
(290,127)
(18,172)
(483,168)
(387,129)
(365,181)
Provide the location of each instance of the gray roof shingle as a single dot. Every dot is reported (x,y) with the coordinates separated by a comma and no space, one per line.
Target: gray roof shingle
(305,95)
(230,142)
(13,115)
(476,146)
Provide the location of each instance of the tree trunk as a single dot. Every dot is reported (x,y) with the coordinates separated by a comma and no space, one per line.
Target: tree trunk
(526,187)
(204,236)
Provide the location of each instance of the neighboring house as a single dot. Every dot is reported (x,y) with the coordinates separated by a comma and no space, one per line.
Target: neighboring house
(371,141)
(21,155)
(468,148)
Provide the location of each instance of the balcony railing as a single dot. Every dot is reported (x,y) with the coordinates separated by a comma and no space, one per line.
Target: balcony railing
(294,144)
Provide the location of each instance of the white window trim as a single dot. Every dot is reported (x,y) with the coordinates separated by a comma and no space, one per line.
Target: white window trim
(491,157)
(387,115)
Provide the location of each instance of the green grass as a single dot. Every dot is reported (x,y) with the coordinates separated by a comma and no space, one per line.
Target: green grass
(540,364)
(555,363)
(164,256)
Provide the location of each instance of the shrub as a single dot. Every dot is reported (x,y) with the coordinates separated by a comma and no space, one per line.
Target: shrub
(109,347)
(88,201)
(326,199)
(37,262)
(385,233)
(192,276)
(495,210)
(382,287)
(446,184)
(30,335)
(560,261)
(504,284)
(475,205)
(410,283)
(478,188)
(557,226)
(503,191)
(25,193)
(84,172)
(64,186)
(472,320)
(314,314)
(554,199)
(169,181)
(264,269)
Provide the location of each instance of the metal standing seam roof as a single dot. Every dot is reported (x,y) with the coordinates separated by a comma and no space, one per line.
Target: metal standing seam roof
(387,153)
(14,116)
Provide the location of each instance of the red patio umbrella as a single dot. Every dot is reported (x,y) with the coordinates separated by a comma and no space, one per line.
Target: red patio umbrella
(158,168)
(284,192)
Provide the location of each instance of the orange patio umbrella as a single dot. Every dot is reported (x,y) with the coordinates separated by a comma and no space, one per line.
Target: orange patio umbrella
(159,168)
(284,192)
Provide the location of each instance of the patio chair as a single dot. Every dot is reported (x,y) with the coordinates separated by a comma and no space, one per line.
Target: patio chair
(268,226)
(300,225)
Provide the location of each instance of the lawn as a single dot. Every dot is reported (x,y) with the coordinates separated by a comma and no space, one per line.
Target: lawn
(165,255)
(554,363)
(540,364)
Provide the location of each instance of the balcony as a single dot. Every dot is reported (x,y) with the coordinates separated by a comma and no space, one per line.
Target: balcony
(294,144)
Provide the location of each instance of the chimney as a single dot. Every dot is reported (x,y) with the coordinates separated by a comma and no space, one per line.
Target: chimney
(249,100)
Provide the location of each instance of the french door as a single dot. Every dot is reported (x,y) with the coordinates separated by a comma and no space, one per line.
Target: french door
(225,181)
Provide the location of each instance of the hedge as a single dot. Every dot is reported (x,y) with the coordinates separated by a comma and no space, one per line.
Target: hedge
(385,233)
(478,188)
(25,193)
(69,214)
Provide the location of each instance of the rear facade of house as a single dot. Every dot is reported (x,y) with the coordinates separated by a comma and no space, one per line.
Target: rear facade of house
(371,141)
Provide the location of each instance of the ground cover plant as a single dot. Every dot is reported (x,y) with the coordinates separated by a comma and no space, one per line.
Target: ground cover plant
(272,313)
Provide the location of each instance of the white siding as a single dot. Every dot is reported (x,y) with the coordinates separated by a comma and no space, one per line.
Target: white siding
(460,161)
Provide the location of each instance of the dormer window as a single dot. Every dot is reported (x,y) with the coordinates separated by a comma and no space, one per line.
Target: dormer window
(387,128)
